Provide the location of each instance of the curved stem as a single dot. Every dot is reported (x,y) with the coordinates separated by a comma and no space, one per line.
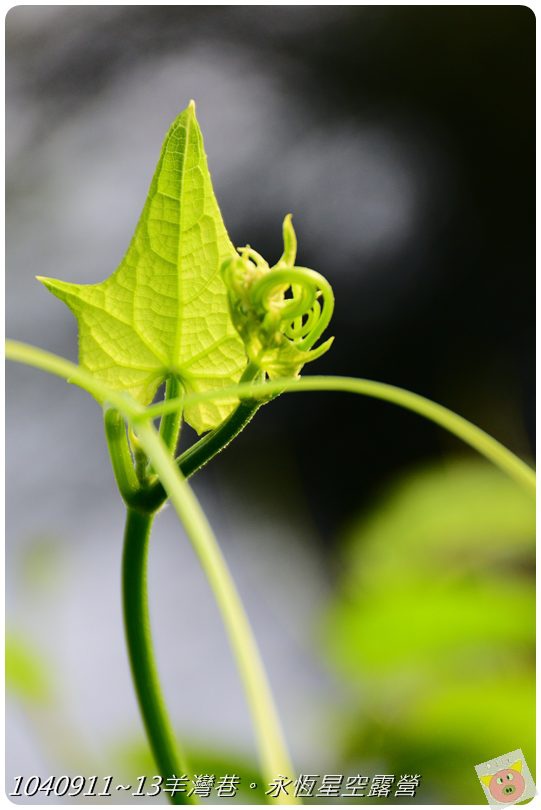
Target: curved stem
(271,744)
(137,625)
(493,450)
(192,460)
(477,438)
(275,760)
(119,453)
(60,367)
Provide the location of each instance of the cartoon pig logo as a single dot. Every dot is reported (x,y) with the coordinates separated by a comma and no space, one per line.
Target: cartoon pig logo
(506,785)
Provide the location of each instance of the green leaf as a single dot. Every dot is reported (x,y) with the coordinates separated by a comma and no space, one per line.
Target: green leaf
(164,311)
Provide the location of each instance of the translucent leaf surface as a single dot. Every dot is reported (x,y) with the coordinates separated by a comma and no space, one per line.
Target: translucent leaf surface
(164,311)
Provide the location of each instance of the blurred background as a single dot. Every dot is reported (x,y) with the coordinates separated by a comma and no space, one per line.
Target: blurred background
(387,571)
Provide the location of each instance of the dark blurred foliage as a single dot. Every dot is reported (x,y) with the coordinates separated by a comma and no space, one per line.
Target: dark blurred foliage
(450,315)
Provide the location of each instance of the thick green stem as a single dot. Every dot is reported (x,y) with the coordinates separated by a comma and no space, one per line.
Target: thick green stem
(168,759)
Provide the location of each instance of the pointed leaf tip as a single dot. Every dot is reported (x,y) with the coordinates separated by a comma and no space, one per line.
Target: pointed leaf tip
(49,283)
(61,289)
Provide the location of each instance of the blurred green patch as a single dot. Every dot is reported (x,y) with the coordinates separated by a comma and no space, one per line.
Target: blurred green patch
(27,675)
(433,629)
(43,563)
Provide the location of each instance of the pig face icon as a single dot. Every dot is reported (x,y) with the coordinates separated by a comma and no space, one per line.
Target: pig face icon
(506,785)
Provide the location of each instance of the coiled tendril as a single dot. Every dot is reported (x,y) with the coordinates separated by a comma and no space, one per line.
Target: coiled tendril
(281,311)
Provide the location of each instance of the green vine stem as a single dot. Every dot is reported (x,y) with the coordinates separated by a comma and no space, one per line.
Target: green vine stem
(271,746)
(270,740)
(273,753)
(150,498)
(477,438)
(60,367)
(169,760)
(193,459)
(137,531)
(119,453)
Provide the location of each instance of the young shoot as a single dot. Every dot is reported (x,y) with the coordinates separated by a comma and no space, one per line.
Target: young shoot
(226,332)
